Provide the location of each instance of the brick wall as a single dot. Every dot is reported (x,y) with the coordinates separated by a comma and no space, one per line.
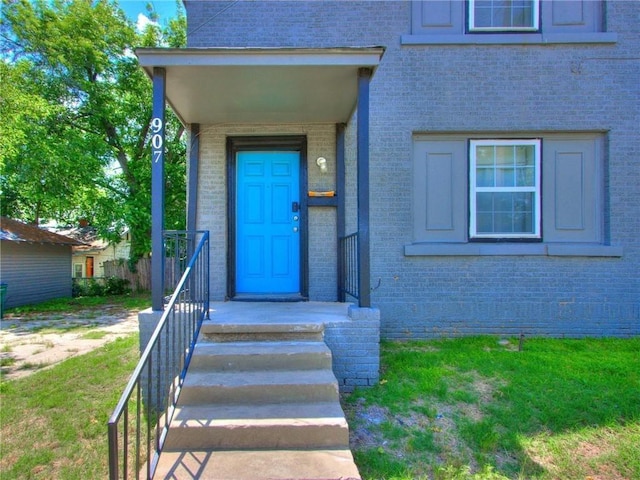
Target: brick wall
(355,348)
(581,87)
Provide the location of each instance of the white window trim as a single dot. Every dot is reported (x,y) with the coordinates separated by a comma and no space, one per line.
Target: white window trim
(75,270)
(534,28)
(473,189)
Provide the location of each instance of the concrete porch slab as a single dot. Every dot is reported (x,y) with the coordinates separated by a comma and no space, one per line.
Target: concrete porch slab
(278,312)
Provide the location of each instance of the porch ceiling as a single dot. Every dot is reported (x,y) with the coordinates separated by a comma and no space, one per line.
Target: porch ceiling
(261,85)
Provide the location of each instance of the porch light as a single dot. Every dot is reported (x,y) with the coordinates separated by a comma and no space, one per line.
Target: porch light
(322,163)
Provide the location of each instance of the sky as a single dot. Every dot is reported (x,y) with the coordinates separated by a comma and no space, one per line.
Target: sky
(136,10)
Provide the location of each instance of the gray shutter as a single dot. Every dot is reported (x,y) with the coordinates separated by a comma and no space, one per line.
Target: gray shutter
(571,16)
(572,190)
(437,16)
(440,191)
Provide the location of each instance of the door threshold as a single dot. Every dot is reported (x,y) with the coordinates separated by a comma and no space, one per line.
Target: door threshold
(269,297)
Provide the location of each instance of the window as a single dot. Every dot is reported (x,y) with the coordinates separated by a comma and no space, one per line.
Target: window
(504,193)
(499,22)
(77,270)
(503,15)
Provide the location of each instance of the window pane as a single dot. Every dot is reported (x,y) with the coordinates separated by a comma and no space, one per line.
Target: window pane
(525,155)
(503,14)
(525,177)
(484,155)
(523,223)
(501,17)
(483,18)
(484,222)
(523,202)
(485,177)
(503,222)
(521,17)
(523,212)
(505,177)
(484,202)
(504,155)
(503,202)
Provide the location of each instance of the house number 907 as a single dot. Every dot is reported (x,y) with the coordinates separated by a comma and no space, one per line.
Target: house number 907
(157,139)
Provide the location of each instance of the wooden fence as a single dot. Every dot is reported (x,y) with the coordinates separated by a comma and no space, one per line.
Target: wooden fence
(140,280)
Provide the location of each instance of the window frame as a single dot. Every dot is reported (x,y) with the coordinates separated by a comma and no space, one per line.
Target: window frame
(534,28)
(536,189)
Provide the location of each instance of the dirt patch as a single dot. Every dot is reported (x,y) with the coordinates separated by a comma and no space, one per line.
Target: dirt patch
(366,432)
(29,343)
(432,437)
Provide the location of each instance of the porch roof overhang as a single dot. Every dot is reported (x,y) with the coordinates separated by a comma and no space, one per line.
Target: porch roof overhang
(261,85)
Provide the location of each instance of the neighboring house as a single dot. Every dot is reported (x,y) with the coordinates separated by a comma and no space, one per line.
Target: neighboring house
(492,167)
(89,258)
(34,263)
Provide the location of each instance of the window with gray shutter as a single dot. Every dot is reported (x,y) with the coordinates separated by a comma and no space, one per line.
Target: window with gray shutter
(455,17)
(571,195)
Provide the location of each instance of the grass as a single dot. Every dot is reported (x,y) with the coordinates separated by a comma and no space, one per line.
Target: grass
(463,409)
(94,335)
(7,361)
(476,408)
(33,365)
(53,423)
(71,305)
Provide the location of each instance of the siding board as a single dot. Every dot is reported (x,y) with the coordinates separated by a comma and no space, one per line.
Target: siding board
(35,272)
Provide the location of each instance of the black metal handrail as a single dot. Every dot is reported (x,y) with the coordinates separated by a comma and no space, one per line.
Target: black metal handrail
(179,246)
(139,424)
(348,266)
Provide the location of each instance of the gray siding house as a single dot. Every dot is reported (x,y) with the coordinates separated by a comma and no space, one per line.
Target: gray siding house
(486,152)
(35,264)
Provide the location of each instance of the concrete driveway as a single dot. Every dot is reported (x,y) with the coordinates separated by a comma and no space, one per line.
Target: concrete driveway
(30,343)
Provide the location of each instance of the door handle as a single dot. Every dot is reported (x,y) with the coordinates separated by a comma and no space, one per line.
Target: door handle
(295,207)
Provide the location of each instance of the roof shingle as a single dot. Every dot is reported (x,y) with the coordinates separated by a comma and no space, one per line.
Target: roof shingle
(14,231)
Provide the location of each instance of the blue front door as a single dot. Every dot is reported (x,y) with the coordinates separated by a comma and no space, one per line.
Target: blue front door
(268,222)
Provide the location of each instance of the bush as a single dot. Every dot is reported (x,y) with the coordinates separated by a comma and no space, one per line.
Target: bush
(99,287)
(95,289)
(116,286)
(77,289)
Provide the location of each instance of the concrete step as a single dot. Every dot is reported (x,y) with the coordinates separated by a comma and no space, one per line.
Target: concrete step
(244,356)
(260,387)
(258,465)
(256,330)
(272,426)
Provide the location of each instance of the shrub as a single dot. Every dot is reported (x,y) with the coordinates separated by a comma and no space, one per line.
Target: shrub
(116,286)
(95,289)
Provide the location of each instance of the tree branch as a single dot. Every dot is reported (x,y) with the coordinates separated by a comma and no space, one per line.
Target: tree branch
(143,137)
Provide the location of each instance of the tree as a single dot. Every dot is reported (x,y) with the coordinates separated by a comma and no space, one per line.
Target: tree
(75,119)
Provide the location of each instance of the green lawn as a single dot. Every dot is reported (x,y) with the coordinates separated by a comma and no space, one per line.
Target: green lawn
(70,305)
(53,423)
(469,408)
(480,408)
